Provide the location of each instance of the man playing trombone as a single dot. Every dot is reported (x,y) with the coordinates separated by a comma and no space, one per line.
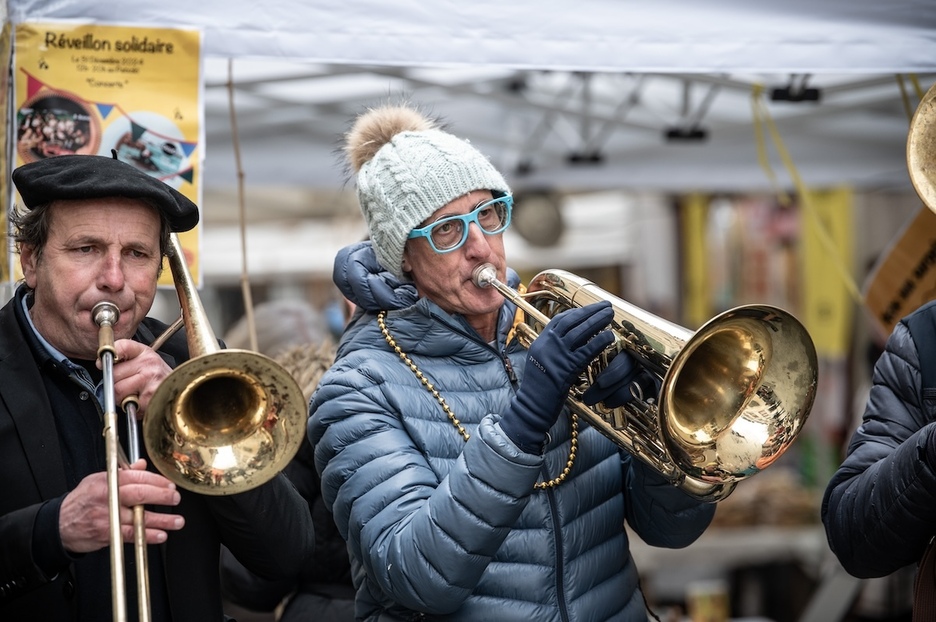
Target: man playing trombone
(95,230)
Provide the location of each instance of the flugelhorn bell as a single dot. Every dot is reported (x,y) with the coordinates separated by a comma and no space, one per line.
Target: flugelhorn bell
(226,420)
(921,149)
(733,395)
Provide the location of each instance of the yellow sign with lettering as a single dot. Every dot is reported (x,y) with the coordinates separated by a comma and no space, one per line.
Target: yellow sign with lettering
(128,92)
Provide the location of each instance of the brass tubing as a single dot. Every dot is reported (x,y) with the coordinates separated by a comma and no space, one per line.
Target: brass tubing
(105,315)
(733,395)
(130,405)
(486,276)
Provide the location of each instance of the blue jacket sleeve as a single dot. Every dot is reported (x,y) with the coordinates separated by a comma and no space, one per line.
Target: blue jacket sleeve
(660,513)
(879,508)
(426,542)
(244,522)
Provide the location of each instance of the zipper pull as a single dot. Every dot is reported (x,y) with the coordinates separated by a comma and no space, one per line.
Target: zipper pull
(510,370)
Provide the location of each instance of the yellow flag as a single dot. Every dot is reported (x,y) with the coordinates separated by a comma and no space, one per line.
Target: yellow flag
(695,260)
(827,304)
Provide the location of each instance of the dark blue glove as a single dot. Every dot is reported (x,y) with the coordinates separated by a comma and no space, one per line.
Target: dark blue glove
(613,384)
(556,358)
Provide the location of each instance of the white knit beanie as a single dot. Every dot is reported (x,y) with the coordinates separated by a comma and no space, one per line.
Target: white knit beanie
(407,168)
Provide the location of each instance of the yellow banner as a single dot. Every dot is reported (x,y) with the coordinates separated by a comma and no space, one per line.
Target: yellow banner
(697,308)
(827,305)
(96,89)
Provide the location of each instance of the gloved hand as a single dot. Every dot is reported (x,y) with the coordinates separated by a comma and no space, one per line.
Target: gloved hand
(557,356)
(613,384)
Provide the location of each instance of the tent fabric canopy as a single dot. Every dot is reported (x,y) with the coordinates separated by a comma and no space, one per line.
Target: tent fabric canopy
(592,35)
(535,84)
(565,95)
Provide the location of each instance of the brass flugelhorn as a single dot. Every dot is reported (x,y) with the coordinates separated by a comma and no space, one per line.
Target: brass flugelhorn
(733,395)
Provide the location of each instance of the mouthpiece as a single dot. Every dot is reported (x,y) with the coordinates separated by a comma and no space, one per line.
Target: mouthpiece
(105,313)
(484,275)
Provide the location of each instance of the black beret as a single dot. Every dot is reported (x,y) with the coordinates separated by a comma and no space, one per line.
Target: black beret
(75,177)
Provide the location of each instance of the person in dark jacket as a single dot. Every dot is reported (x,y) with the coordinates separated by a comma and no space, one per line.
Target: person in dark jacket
(91,229)
(465,488)
(879,508)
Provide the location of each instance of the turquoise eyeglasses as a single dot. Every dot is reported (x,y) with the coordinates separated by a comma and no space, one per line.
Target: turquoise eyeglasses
(450,233)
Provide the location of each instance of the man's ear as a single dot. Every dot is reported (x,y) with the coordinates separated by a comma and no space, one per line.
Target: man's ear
(405,263)
(29,258)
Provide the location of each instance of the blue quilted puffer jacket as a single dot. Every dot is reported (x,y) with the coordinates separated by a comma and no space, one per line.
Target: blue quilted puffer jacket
(440,528)
(879,508)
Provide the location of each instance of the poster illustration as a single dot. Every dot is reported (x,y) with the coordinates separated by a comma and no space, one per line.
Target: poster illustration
(113,90)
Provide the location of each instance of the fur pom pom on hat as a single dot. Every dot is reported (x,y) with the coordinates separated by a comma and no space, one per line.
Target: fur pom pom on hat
(407,168)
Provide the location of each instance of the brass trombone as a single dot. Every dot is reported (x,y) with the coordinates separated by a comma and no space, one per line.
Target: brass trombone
(223,422)
(733,397)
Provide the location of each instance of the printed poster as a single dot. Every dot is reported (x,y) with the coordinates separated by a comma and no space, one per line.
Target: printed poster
(100,89)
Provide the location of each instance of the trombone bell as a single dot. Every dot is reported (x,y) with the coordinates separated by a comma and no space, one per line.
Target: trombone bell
(229,422)
(224,421)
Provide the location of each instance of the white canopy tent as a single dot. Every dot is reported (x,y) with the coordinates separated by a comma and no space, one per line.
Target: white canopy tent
(589,35)
(568,96)
(536,84)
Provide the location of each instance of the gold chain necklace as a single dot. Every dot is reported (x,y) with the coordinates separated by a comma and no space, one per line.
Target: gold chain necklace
(451,415)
